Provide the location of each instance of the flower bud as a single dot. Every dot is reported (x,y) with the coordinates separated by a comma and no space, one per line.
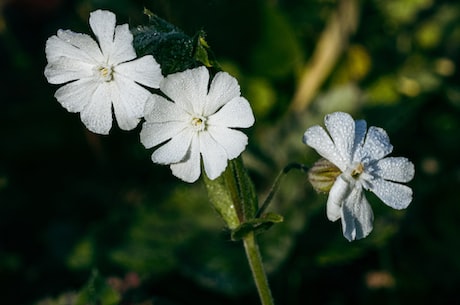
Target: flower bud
(322,175)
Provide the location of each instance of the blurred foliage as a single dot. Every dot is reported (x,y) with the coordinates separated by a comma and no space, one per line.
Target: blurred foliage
(72,202)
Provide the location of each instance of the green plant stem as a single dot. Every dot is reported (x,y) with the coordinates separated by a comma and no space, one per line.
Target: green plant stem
(257,269)
(276,184)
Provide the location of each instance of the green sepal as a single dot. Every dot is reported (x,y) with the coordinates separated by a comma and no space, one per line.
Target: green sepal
(174,50)
(256,225)
(233,194)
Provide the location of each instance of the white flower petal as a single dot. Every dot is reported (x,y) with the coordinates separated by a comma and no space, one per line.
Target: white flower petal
(175,150)
(190,169)
(377,144)
(63,45)
(122,49)
(97,115)
(357,216)
(339,191)
(395,195)
(233,141)
(223,89)
(236,113)
(317,138)
(144,70)
(76,95)
(187,89)
(341,127)
(103,25)
(397,169)
(129,101)
(160,110)
(76,46)
(63,70)
(153,134)
(214,156)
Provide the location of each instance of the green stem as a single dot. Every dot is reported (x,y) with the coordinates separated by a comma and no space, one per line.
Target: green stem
(257,269)
(276,185)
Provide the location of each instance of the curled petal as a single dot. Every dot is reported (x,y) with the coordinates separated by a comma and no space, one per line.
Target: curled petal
(397,169)
(339,191)
(317,138)
(190,169)
(236,113)
(357,216)
(395,195)
(341,127)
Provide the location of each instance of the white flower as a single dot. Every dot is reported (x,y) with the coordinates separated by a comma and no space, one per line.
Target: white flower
(197,120)
(99,76)
(361,160)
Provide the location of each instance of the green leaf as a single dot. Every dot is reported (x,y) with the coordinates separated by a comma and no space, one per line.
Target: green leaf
(174,50)
(257,225)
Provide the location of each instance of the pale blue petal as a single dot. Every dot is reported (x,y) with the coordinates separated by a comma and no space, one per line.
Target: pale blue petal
(395,195)
(377,144)
(317,138)
(341,127)
(397,169)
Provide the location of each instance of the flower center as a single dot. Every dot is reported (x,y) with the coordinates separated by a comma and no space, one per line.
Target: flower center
(199,123)
(357,171)
(105,72)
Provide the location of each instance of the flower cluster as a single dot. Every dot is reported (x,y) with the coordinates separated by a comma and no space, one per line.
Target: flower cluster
(194,119)
(194,124)
(359,157)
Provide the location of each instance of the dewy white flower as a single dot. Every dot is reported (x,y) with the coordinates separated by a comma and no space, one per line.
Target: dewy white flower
(99,76)
(360,156)
(199,119)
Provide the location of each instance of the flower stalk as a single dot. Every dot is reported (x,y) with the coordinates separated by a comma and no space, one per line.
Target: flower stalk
(257,268)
